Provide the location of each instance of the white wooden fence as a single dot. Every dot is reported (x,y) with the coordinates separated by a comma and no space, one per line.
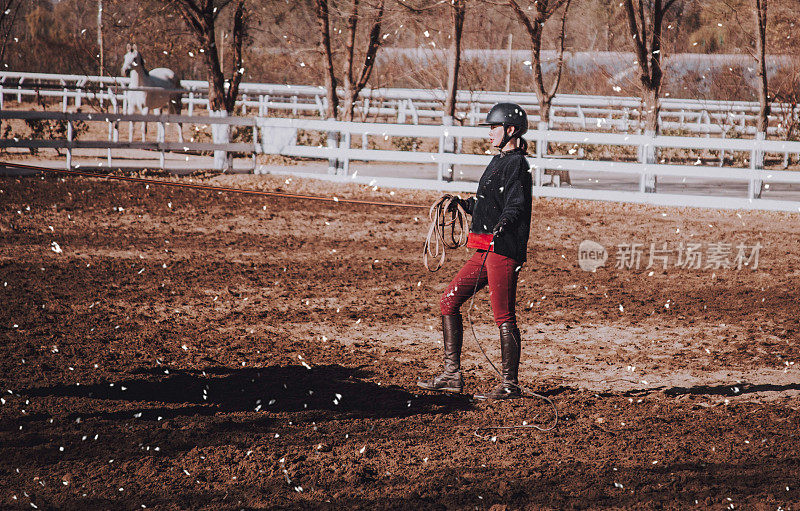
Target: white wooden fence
(281,136)
(595,113)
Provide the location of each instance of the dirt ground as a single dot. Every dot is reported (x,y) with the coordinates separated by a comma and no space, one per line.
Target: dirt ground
(165,348)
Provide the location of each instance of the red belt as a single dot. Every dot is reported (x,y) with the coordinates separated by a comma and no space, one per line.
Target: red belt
(480,241)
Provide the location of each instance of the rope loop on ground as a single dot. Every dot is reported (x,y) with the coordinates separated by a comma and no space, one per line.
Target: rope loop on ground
(448,218)
(526,393)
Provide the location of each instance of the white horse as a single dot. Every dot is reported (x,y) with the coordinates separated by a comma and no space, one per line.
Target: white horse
(145,95)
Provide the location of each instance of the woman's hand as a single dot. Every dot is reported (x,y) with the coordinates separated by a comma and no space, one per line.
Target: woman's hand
(455,199)
(500,228)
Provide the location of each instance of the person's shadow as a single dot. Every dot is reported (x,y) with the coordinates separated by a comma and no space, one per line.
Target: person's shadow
(326,391)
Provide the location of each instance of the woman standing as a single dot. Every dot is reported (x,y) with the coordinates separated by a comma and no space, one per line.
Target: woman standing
(501,219)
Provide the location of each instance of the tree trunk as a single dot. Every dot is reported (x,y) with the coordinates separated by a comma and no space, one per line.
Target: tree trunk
(648,56)
(349,53)
(757,158)
(238,69)
(544,10)
(216,82)
(353,86)
(651,106)
(544,111)
(454,59)
(323,18)
(761,58)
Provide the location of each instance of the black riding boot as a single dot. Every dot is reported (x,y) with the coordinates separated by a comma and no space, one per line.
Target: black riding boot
(450,380)
(511,349)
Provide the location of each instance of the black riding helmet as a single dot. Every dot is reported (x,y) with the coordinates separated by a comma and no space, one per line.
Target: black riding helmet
(507,114)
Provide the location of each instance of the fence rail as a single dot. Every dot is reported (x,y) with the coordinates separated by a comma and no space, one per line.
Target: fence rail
(281,136)
(420,106)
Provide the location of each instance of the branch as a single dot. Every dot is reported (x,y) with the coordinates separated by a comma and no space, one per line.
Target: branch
(419,10)
(372,49)
(191,13)
(523,17)
(238,37)
(643,20)
(560,66)
(639,45)
(349,45)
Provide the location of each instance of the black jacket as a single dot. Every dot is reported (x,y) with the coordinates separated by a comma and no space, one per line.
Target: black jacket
(505,191)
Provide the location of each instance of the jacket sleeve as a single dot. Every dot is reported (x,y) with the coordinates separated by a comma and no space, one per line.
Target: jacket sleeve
(513,194)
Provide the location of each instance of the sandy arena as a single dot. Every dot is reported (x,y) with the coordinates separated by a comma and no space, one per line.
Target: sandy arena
(165,348)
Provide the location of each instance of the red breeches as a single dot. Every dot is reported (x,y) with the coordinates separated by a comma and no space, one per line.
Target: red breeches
(499,272)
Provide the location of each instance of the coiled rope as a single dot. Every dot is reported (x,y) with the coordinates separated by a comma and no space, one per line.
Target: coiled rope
(447,217)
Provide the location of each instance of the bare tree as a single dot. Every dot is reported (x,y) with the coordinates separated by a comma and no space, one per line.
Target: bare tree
(760,12)
(9,9)
(757,158)
(458,11)
(353,80)
(645,21)
(543,11)
(201,17)
(323,17)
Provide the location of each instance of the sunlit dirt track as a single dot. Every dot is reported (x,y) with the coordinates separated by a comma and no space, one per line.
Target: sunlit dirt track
(182,349)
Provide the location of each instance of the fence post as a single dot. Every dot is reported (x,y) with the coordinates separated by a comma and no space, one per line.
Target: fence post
(64,100)
(647,156)
(320,106)
(256,144)
(1,96)
(537,161)
(161,138)
(334,164)
(414,113)
(755,185)
(69,144)
(345,144)
(447,144)
(110,139)
(220,134)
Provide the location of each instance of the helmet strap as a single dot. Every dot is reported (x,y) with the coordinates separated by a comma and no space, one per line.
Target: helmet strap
(506,137)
